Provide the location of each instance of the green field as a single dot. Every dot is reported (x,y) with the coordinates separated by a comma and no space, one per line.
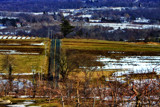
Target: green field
(25,62)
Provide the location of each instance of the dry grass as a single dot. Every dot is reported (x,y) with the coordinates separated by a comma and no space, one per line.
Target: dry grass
(91,44)
(90,74)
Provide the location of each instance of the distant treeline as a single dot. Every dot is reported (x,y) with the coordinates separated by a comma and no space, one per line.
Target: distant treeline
(9,22)
(53,5)
(37,5)
(101,33)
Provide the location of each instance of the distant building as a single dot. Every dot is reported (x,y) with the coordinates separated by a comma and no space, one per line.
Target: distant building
(141,20)
(18,24)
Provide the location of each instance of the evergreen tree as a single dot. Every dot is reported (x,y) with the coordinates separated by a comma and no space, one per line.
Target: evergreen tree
(66,27)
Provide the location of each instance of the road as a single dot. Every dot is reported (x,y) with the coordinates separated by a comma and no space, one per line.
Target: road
(54,61)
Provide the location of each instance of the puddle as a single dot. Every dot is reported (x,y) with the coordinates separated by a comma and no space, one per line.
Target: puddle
(22,104)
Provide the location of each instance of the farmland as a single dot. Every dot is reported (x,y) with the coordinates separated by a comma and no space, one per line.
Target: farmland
(118,69)
(96,45)
(90,72)
(25,54)
(120,57)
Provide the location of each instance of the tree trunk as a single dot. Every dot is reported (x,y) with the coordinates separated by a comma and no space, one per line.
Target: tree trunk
(10,78)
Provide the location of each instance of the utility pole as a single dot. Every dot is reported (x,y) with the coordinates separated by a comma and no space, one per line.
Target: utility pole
(51,34)
(48,32)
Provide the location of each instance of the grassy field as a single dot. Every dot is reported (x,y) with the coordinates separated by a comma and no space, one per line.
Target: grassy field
(92,75)
(102,47)
(91,44)
(25,62)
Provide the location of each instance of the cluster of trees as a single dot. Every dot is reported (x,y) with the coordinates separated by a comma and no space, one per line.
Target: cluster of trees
(105,33)
(97,32)
(128,14)
(37,5)
(125,3)
(9,22)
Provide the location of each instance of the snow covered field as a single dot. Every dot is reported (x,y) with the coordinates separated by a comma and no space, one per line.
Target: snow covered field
(132,64)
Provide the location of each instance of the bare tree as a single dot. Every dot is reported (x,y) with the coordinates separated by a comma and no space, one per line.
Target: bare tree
(8,63)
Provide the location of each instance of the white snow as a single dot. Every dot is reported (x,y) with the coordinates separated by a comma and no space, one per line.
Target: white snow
(9,37)
(132,64)
(14,37)
(91,20)
(9,52)
(5,37)
(33,37)
(16,105)
(85,16)
(3,27)
(3,17)
(38,44)
(23,104)
(19,37)
(141,20)
(37,13)
(66,14)
(28,38)
(116,26)
(23,37)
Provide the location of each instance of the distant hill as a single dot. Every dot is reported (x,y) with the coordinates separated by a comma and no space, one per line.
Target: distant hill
(52,5)
(37,5)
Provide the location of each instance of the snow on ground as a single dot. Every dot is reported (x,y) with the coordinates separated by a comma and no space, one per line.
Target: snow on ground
(116,26)
(9,37)
(38,44)
(132,64)
(3,27)
(18,74)
(66,14)
(28,38)
(23,37)
(85,16)
(37,13)
(10,52)
(16,37)
(23,104)
(5,37)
